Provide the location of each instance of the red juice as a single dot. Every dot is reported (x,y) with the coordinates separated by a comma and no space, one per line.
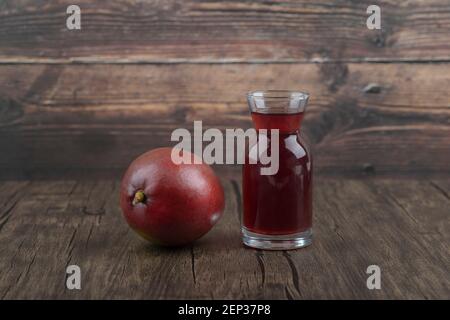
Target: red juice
(279,204)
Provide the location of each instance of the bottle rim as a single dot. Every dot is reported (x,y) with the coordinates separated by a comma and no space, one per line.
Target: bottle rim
(278,94)
(277,101)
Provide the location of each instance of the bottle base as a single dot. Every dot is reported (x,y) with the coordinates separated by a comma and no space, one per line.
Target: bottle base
(277,242)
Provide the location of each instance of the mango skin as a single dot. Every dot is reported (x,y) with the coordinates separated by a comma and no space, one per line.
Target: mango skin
(182,201)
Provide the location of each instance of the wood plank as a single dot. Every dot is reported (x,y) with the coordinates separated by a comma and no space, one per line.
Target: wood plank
(56,223)
(223,31)
(361,225)
(362,118)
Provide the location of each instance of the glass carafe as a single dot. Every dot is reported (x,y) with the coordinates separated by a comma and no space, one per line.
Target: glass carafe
(277,207)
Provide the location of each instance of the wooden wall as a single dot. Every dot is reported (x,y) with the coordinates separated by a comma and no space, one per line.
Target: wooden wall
(88,101)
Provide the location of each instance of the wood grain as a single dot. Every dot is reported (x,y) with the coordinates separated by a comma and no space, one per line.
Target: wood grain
(362,118)
(211,31)
(402,226)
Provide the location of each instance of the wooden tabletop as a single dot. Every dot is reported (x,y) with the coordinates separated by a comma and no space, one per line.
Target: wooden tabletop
(400,225)
(77,106)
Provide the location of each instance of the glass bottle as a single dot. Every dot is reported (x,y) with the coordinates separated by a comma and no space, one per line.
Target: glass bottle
(277,207)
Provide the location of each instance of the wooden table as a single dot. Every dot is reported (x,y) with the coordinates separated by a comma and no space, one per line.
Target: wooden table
(77,106)
(400,225)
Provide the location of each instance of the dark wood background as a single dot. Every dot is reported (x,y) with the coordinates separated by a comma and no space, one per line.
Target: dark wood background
(77,106)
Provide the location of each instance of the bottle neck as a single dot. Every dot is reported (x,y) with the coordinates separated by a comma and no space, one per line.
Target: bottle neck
(286,123)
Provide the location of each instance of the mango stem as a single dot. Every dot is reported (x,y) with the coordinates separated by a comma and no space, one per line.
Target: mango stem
(139,197)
